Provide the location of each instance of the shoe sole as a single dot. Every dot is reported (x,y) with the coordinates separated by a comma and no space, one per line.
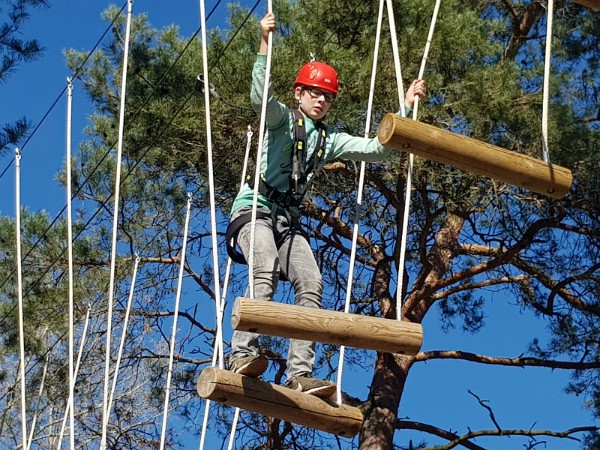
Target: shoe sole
(254,369)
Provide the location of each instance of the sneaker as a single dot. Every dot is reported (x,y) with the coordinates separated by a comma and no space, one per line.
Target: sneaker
(309,385)
(251,365)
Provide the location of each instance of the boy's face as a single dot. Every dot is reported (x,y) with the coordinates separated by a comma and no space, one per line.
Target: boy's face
(314,102)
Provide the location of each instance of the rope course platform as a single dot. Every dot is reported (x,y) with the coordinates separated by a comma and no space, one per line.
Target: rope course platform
(276,401)
(474,156)
(328,327)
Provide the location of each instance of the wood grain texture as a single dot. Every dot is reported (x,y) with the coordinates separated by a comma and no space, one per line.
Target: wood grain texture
(329,327)
(276,401)
(474,156)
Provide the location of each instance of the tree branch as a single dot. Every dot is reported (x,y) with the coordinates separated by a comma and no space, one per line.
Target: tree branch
(484,404)
(514,362)
(426,428)
(531,433)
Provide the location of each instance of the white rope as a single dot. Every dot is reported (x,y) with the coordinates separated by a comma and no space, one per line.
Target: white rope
(211,187)
(218,345)
(124,332)
(396,54)
(546,100)
(408,189)
(70,259)
(261,135)
(20,295)
(218,356)
(219,342)
(236,416)
(77,365)
(340,371)
(40,392)
(174,329)
(105,412)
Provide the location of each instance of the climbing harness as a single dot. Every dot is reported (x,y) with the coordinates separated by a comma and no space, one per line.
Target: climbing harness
(297,186)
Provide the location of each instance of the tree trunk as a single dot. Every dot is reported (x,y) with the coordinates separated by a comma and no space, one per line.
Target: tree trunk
(379,426)
(391,371)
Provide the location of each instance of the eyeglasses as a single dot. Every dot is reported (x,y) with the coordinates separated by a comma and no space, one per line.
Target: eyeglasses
(316,93)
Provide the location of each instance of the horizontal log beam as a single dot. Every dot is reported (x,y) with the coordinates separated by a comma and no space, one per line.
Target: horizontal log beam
(329,327)
(276,401)
(592,4)
(474,156)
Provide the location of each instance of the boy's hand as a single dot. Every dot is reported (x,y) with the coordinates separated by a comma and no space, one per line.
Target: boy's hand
(416,89)
(267,24)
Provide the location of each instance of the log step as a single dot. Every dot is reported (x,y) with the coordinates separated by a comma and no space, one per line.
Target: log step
(474,156)
(329,327)
(276,401)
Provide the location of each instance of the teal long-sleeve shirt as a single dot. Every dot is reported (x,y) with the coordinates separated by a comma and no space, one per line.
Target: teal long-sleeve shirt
(276,164)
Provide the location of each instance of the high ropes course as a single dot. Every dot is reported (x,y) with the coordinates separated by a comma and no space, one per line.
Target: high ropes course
(260,315)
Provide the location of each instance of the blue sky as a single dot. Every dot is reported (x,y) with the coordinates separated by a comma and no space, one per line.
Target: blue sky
(436,391)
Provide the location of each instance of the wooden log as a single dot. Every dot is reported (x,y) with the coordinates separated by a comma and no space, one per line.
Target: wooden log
(330,327)
(592,4)
(478,157)
(280,402)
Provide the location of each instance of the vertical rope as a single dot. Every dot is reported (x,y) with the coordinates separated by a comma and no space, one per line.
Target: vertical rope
(70,259)
(236,416)
(396,54)
(261,136)
(124,332)
(211,187)
(218,356)
(174,328)
(546,99)
(340,371)
(39,401)
(219,342)
(105,413)
(20,295)
(77,365)
(408,189)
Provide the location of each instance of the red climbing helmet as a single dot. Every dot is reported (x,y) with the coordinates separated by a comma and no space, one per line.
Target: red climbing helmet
(319,75)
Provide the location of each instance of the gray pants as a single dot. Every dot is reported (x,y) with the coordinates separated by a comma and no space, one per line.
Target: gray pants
(294,258)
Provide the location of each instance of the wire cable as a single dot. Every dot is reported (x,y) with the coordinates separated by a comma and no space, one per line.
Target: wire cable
(59,96)
(99,163)
(219,342)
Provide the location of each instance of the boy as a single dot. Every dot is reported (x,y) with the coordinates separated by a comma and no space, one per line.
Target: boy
(286,173)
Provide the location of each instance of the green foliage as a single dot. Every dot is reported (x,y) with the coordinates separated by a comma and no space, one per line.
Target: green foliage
(14,51)
(468,236)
